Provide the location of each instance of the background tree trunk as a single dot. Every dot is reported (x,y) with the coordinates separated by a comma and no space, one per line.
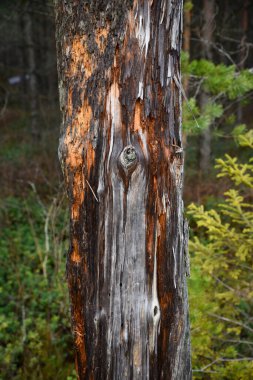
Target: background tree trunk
(121,153)
(187,49)
(207,39)
(31,66)
(243,51)
(187,39)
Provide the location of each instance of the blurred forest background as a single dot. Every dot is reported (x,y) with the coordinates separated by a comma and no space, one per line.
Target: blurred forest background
(217,65)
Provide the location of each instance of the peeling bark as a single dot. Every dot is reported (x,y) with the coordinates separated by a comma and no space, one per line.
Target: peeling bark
(121,154)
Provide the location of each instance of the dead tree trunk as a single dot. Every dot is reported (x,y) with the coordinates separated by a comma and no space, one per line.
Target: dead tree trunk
(121,153)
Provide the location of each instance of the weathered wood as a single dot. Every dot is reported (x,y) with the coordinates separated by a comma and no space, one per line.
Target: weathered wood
(120,149)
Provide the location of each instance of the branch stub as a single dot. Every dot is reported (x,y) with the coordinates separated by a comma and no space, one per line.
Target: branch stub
(128,158)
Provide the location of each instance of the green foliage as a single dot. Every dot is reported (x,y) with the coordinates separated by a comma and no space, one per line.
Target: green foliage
(238,131)
(221,79)
(34,325)
(238,173)
(196,121)
(221,290)
(220,82)
(188,5)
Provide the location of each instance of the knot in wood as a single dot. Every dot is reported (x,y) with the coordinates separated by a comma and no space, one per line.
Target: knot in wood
(128,157)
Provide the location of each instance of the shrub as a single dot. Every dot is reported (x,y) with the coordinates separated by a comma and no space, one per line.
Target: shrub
(221,290)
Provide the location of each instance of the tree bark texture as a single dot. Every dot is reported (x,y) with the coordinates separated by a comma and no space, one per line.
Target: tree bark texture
(121,153)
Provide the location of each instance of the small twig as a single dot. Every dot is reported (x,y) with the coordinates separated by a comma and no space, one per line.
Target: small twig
(203,369)
(92,191)
(198,87)
(237,341)
(209,365)
(225,285)
(235,359)
(233,40)
(38,197)
(200,370)
(180,87)
(23,323)
(6,98)
(231,321)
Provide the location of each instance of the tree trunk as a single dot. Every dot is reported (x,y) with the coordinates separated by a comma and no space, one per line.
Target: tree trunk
(187,49)
(187,39)
(120,149)
(205,139)
(207,38)
(243,51)
(31,69)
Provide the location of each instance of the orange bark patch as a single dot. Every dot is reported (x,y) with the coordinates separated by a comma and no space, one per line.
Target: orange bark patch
(80,58)
(75,138)
(81,117)
(162,226)
(101,37)
(150,238)
(75,256)
(76,134)
(150,246)
(137,116)
(161,247)
(78,194)
(79,338)
(155,185)
(90,157)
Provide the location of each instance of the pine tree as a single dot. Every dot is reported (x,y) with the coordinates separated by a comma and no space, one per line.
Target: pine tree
(221,288)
